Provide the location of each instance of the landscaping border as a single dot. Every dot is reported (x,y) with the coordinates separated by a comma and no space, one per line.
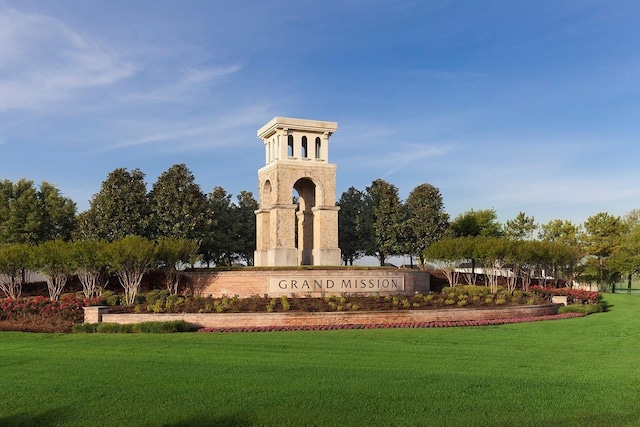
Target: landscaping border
(96,314)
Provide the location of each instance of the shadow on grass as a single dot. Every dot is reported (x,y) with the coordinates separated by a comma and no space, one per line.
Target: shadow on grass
(605,305)
(49,418)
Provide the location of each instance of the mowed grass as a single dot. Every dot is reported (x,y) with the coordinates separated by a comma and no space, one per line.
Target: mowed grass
(574,372)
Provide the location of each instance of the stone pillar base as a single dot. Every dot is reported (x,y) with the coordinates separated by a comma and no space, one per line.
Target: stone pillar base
(94,313)
(282,256)
(260,258)
(327,257)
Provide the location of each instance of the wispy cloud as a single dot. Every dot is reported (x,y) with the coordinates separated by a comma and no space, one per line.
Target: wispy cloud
(42,61)
(408,154)
(190,81)
(198,133)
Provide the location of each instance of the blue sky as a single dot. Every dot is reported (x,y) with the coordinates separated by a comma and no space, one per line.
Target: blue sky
(518,106)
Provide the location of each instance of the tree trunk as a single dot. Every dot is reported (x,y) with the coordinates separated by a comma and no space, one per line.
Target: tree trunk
(629,284)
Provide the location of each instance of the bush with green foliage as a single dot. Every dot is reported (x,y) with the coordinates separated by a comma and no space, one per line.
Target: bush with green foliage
(144,327)
(580,308)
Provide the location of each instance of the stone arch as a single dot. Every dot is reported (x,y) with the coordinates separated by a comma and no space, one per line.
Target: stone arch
(266,194)
(290,151)
(292,233)
(306,189)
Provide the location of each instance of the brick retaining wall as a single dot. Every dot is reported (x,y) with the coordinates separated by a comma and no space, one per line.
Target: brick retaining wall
(233,320)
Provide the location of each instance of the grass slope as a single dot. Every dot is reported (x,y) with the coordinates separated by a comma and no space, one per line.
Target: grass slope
(576,372)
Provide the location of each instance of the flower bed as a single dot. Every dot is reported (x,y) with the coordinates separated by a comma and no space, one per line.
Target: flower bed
(43,314)
(69,307)
(574,296)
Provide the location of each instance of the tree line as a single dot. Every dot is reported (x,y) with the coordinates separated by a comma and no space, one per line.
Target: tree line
(374,222)
(174,208)
(605,249)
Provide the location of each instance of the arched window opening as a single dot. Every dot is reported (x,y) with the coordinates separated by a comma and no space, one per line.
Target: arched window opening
(290,146)
(266,194)
(318,146)
(305,153)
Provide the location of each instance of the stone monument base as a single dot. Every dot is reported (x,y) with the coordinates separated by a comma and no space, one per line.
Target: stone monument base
(301,281)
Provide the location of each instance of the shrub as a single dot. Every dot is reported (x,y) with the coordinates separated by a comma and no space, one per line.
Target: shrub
(161,327)
(156,306)
(580,308)
(174,302)
(87,328)
(113,300)
(127,328)
(156,294)
(108,328)
(285,303)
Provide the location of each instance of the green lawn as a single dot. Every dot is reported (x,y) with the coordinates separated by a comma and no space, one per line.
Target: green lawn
(575,372)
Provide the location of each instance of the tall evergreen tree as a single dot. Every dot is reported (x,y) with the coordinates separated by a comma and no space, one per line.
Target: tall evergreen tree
(119,209)
(350,225)
(384,217)
(178,205)
(245,218)
(31,216)
(218,245)
(603,235)
(521,227)
(427,220)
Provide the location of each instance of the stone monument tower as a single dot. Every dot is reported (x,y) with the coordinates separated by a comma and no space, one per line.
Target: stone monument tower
(297,158)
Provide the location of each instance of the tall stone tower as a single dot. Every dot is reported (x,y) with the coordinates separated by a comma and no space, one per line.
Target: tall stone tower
(297,158)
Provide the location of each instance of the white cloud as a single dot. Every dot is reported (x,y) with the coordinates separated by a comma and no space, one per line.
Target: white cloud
(42,61)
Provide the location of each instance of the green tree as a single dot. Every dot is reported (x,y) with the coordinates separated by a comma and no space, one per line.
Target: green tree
(21,221)
(91,266)
(119,209)
(472,223)
(178,205)
(384,218)
(58,214)
(54,260)
(626,258)
(31,216)
(245,218)
(130,258)
(603,233)
(569,237)
(350,225)
(483,222)
(560,231)
(218,246)
(14,259)
(173,255)
(426,221)
(448,254)
(521,227)
(492,252)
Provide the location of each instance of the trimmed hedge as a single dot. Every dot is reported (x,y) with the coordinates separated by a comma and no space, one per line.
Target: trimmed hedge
(581,308)
(144,327)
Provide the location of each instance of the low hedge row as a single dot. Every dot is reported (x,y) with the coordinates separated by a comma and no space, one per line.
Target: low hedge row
(144,327)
